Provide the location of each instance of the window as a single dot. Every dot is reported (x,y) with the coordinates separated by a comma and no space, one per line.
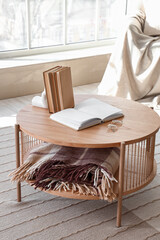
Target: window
(27,25)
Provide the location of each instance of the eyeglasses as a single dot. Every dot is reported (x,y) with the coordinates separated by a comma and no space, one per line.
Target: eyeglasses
(113,126)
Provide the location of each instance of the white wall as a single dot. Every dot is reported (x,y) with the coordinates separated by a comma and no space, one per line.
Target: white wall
(24,80)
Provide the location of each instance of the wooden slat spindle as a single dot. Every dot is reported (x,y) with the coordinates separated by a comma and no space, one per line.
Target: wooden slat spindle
(120,184)
(17,142)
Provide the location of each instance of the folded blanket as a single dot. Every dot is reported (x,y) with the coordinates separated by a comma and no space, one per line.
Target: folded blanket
(82,170)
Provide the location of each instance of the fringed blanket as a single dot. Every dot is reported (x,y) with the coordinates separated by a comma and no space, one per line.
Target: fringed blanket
(81,170)
(133,70)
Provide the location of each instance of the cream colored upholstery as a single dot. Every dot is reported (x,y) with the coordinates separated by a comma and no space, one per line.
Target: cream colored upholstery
(152,22)
(133,70)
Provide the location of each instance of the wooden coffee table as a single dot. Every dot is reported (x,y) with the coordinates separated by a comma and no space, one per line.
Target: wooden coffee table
(136,139)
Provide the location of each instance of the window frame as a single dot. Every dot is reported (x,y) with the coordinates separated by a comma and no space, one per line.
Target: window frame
(62,47)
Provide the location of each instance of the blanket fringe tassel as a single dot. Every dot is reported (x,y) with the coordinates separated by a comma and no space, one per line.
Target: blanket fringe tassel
(103,188)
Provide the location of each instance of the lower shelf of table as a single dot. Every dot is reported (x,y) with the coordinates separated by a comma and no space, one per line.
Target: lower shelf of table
(130,189)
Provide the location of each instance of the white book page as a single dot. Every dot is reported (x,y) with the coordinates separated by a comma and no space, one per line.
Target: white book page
(99,109)
(74,119)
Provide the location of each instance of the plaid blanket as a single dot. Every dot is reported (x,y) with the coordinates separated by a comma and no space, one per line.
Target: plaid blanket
(82,170)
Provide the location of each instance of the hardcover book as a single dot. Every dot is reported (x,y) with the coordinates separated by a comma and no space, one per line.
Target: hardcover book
(50,89)
(59,91)
(65,90)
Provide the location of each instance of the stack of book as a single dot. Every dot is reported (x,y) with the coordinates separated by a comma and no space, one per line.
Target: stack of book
(59,91)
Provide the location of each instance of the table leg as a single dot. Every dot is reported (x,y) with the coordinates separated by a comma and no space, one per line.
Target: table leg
(17,160)
(120,184)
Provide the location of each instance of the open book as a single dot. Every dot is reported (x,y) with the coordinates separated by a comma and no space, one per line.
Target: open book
(86,114)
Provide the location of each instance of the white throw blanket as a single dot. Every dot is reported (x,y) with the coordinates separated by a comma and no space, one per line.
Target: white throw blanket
(133,71)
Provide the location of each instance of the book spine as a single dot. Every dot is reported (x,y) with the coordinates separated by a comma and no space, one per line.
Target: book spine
(64,84)
(57,92)
(60,94)
(48,93)
(52,81)
(71,98)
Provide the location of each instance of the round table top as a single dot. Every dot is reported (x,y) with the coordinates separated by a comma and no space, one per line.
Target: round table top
(139,122)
